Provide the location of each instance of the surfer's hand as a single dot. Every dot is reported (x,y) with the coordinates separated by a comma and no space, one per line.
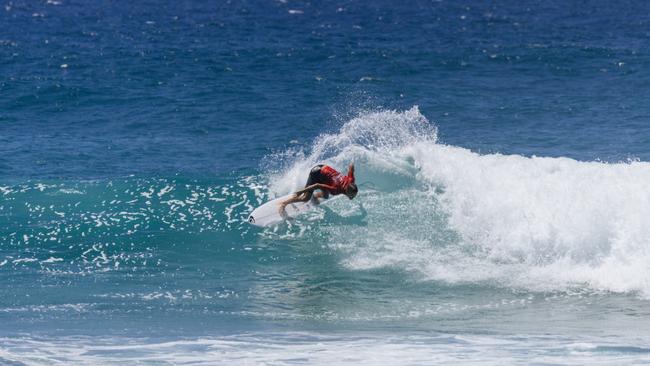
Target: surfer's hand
(282,211)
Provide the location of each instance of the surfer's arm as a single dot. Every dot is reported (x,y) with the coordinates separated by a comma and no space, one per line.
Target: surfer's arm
(307,189)
(311,188)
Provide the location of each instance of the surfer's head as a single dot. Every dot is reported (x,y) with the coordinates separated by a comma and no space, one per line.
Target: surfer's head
(351,190)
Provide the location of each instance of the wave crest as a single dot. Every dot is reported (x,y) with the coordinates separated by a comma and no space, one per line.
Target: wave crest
(449,214)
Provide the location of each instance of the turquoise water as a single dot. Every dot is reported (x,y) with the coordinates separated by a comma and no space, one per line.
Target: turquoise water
(501,153)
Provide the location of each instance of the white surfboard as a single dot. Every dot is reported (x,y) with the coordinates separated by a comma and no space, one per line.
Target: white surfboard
(269,213)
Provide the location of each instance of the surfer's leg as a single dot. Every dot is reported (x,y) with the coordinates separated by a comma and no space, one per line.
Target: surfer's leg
(297,198)
(314,177)
(304,197)
(320,194)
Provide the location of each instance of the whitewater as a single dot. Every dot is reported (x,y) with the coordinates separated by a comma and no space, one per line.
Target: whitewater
(534,223)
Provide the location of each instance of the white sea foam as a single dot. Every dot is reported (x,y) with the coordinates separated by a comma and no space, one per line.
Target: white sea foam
(450,214)
(302,348)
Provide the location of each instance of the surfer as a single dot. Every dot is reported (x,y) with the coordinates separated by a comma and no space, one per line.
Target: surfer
(328,181)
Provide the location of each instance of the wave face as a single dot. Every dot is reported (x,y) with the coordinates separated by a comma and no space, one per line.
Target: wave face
(449,214)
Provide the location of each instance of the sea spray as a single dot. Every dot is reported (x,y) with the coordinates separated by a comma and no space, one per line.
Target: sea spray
(447,213)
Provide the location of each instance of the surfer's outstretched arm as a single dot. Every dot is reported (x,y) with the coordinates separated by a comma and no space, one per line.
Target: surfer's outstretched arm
(308,190)
(304,195)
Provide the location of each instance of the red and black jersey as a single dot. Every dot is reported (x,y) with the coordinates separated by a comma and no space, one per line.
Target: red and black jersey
(337,183)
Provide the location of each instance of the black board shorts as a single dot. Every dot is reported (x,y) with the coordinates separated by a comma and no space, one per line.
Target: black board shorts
(315,176)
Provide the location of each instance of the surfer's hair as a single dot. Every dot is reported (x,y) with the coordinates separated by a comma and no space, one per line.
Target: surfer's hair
(352,189)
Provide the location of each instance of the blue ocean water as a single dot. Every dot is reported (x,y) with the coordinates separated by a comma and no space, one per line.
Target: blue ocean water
(501,150)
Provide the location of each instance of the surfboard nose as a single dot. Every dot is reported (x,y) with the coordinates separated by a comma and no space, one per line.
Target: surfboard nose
(251,219)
